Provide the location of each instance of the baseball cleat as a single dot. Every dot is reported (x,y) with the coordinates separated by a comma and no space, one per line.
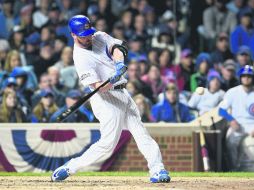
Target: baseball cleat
(60,174)
(161,177)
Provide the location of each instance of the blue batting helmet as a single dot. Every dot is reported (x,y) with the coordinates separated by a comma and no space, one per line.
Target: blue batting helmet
(246,70)
(81,26)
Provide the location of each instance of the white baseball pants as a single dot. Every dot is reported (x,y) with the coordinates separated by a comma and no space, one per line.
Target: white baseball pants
(116,110)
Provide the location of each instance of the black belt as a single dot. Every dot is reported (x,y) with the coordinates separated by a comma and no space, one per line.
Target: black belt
(119,87)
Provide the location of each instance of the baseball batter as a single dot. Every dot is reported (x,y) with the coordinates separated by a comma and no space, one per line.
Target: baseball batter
(240,100)
(98,57)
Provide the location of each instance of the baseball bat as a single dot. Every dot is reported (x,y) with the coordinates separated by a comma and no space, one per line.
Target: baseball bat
(204,152)
(81,101)
(203,149)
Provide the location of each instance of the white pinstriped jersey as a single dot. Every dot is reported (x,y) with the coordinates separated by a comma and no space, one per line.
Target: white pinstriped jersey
(96,65)
(242,105)
(115,109)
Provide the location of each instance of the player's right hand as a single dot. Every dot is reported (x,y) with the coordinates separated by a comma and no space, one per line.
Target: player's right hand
(235,125)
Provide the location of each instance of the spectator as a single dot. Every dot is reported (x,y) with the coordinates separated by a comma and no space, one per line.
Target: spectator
(152,28)
(17,38)
(203,63)
(166,66)
(118,31)
(211,97)
(170,35)
(12,61)
(240,100)
(218,19)
(126,19)
(170,109)
(93,12)
(184,70)
(26,20)
(139,26)
(228,72)
(249,8)
(135,51)
(235,6)
(133,74)
(153,56)
(242,34)
(54,77)
(54,16)
(154,80)
(8,84)
(32,48)
(19,5)
(44,83)
(117,7)
(47,34)
(104,8)
(82,6)
(4,48)
(166,40)
(40,16)
(81,115)
(45,108)
(23,87)
(9,110)
(222,52)
(243,57)
(67,10)
(101,25)
(132,88)
(45,60)
(7,19)
(60,43)
(143,107)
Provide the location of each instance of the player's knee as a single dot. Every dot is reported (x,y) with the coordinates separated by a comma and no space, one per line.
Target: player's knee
(106,146)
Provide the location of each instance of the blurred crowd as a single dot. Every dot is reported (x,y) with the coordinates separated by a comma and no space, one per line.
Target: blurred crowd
(175,46)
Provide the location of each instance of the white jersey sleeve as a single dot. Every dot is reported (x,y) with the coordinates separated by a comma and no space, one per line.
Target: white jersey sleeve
(226,103)
(109,40)
(85,67)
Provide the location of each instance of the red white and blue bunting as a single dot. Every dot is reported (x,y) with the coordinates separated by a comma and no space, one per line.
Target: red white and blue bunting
(42,150)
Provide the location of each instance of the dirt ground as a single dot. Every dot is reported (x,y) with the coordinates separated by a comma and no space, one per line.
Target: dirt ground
(124,183)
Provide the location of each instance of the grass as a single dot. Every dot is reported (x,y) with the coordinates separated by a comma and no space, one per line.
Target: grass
(173,174)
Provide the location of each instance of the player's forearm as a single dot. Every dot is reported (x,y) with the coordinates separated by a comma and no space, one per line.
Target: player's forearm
(223,113)
(105,88)
(117,56)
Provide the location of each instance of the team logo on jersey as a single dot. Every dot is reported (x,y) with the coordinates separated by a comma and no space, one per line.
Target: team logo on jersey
(251,109)
(84,76)
(87,26)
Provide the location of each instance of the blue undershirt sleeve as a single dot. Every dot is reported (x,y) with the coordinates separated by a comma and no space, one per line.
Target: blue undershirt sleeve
(223,113)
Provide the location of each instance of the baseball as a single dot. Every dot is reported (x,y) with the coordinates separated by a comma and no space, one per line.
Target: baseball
(200,90)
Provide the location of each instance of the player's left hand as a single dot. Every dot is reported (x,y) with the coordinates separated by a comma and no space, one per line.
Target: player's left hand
(120,67)
(120,70)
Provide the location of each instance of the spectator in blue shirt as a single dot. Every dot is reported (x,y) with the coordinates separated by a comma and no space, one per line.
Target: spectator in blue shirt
(7,19)
(81,115)
(242,33)
(243,57)
(170,109)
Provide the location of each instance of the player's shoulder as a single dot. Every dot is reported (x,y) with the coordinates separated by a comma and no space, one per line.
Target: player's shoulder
(234,90)
(100,34)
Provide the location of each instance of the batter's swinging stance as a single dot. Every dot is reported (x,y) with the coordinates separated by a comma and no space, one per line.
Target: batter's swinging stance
(97,57)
